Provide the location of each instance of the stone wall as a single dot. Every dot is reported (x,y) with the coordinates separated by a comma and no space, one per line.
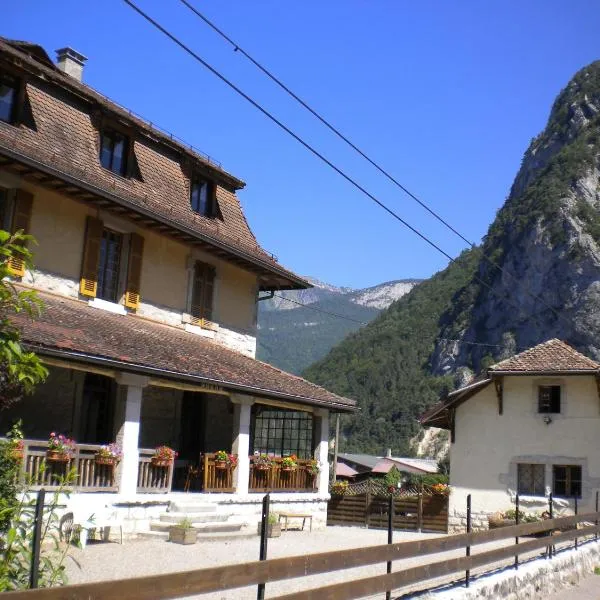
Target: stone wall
(51,408)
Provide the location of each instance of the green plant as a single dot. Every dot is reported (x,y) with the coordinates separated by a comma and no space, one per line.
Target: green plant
(313,467)
(273,519)
(9,477)
(61,444)
(596,570)
(223,456)
(184,524)
(392,478)
(20,371)
(262,460)
(16,546)
(339,488)
(111,451)
(289,462)
(164,453)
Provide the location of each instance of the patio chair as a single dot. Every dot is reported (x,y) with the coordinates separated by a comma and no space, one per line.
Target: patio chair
(98,521)
(65,527)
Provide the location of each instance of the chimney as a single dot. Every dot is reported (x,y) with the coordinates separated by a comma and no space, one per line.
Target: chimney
(388,454)
(70,62)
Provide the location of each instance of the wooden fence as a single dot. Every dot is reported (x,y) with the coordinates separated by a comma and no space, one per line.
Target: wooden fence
(276,479)
(218,579)
(414,510)
(152,478)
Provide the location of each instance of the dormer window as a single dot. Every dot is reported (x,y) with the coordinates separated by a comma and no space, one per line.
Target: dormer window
(8,98)
(549,399)
(202,196)
(114,150)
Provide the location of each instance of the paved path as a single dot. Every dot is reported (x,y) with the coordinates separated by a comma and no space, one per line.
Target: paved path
(588,589)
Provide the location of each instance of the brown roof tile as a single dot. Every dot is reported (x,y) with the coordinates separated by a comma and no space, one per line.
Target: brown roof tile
(63,134)
(548,357)
(72,326)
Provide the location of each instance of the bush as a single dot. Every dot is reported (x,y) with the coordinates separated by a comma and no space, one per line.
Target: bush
(10,466)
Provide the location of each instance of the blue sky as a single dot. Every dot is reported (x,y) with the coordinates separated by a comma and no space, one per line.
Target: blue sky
(444,95)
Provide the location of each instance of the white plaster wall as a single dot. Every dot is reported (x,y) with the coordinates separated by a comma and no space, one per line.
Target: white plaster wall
(488,446)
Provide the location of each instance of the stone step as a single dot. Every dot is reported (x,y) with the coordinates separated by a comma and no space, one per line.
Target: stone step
(218,536)
(216,527)
(189,506)
(153,535)
(195,517)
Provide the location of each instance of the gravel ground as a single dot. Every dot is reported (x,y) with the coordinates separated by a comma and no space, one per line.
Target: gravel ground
(587,589)
(106,561)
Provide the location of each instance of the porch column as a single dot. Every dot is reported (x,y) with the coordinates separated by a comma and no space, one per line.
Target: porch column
(129,432)
(242,406)
(322,448)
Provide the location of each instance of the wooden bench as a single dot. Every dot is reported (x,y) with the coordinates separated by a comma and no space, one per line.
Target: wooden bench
(289,515)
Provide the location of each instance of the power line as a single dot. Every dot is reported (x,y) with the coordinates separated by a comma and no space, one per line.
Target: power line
(339,134)
(305,144)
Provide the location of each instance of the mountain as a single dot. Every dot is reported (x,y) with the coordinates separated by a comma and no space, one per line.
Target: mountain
(282,320)
(536,276)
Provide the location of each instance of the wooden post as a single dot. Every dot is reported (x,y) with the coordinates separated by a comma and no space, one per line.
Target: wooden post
(576,507)
(551,510)
(597,494)
(517,521)
(36,540)
(420,508)
(260,594)
(367,503)
(335,448)
(388,594)
(468,548)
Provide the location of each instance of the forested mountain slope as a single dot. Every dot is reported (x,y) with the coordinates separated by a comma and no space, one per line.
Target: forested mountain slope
(536,276)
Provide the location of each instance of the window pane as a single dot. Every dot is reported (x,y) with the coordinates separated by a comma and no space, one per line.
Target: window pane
(200,197)
(531,479)
(113,152)
(108,268)
(8,94)
(118,165)
(277,432)
(567,480)
(549,399)
(106,152)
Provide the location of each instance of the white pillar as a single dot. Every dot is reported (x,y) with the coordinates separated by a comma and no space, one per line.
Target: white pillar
(322,449)
(129,432)
(241,440)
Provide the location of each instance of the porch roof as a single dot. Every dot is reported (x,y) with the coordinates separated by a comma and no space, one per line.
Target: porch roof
(72,330)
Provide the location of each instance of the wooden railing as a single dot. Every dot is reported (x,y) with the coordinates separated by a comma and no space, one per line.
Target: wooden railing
(152,478)
(213,479)
(277,479)
(213,579)
(90,476)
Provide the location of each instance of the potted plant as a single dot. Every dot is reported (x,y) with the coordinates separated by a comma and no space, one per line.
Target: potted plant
(339,488)
(441,489)
(224,460)
(109,454)
(289,463)
(183,533)
(16,446)
(262,462)
(60,448)
(163,456)
(313,467)
(273,526)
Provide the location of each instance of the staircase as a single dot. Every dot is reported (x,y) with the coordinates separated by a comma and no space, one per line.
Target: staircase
(210,524)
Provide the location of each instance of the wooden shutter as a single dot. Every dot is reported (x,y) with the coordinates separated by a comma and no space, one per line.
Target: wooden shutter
(21,219)
(91,256)
(134,271)
(207,296)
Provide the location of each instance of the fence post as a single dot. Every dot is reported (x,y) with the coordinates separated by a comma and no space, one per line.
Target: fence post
(367,503)
(36,539)
(597,493)
(260,594)
(517,521)
(420,508)
(468,548)
(576,524)
(551,510)
(388,594)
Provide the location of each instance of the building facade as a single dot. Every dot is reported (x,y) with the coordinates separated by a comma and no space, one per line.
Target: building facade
(528,427)
(150,278)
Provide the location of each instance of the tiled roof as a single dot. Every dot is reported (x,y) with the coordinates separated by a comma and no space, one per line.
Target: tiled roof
(548,357)
(343,470)
(70,327)
(60,130)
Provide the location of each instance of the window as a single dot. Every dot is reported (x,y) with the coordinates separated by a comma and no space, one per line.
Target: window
(203,291)
(281,432)
(530,479)
(5,212)
(566,480)
(549,399)
(8,98)
(114,149)
(202,196)
(109,265)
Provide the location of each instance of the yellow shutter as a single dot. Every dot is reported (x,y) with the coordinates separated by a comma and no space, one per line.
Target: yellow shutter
(91,256)
(21,219)
(134,271)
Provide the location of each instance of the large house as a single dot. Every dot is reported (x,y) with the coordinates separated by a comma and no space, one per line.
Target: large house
(529,426)
(150,277)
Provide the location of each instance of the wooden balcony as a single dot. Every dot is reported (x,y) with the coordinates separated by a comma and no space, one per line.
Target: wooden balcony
(214,479)
(277,479)
(153,479)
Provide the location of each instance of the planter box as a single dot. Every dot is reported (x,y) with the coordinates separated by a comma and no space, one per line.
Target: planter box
(273,530)
(496,523)
(179,535)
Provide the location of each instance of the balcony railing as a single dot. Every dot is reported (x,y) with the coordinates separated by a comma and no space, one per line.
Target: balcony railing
(90,476)
(215,479)
(153,478)
(278,479)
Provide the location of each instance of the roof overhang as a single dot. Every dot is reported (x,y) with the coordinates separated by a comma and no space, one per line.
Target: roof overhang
(121,366)
(540,373)
(270,275)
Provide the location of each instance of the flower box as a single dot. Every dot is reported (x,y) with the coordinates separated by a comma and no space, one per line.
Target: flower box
(273,529)
(56,456)
(221,465)
(160,462)
(181,535)
(106,460)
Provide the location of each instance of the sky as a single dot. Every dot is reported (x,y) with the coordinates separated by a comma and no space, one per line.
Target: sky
(446,96)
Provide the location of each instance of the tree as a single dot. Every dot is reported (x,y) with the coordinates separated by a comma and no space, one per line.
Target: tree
(20,371)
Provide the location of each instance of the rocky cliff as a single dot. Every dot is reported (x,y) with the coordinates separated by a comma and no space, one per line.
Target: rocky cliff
(536,276)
